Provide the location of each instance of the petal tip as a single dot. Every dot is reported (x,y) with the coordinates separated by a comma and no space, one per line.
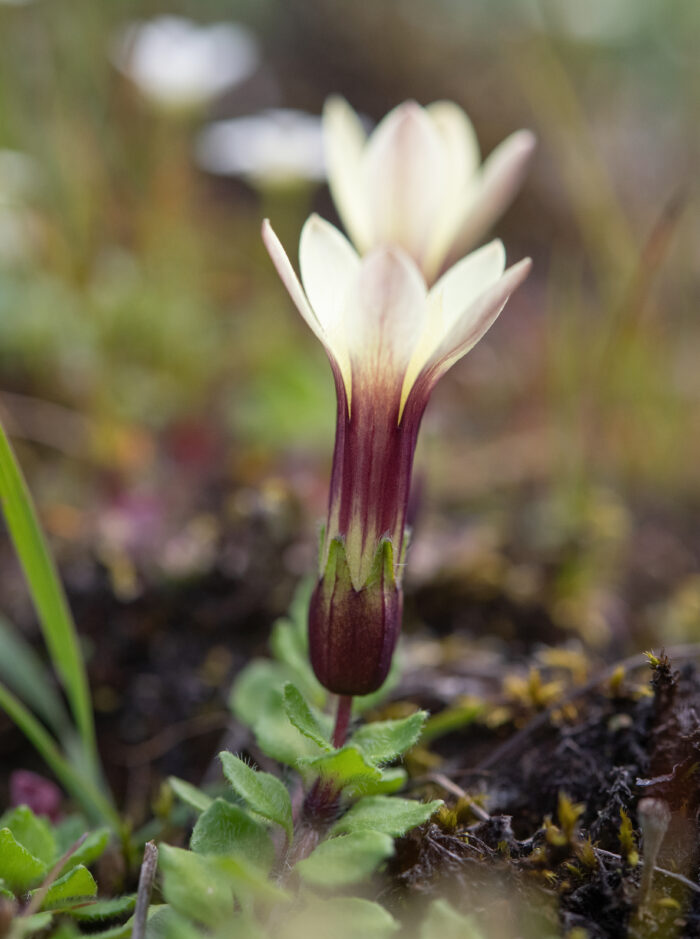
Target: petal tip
(526,141)
(336,105)
(267,232)
(518,273)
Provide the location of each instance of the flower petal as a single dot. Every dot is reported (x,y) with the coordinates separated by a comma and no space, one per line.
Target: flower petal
(459,141)
(289,279)
(386,316)
(329,271)
(334,347)
(454,293)
(476,320)
(461,148)
(404,170)
(344,142)
(501,177)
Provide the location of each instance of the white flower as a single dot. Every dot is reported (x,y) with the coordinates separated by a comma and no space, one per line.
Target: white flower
(19,176)
(276,146)
(417,181)
(383,330)
(389,340)
(179,64)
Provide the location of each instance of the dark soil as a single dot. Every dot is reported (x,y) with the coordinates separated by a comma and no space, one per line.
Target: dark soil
(556,792)
(513,780)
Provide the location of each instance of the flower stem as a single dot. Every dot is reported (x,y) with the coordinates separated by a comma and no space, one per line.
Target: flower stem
(342,719)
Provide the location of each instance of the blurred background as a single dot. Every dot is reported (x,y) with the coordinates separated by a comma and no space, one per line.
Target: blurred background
(174,415)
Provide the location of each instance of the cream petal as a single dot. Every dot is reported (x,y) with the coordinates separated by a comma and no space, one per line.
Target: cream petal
(329,264)
(455,292)
(404,169)
(290,280)
(335,348)
(465,281)
(500,179)
(386,315)
(344,142)
(461,148)
(476,320)
(459,141)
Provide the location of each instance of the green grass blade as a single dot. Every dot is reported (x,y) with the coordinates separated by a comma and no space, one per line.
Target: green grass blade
(84,790)
(27,676)
(47,593)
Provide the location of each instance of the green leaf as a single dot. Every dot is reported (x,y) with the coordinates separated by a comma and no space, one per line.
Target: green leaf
(383,741)
(27,925)
(125,930)
(165,923)
(444,922)
(19,869)
(190,794)
(228,829)
(78,882)
(280,739)
(285,645)
(22,670)
(391,816)
(195,887)
(340,918)
(47,593)
(346,768)
(293,653)
(257,690)
(391,780)
(90,850)
(31,832)
(299,713)
(299,610)
(346,859)
(263,792)
(95,911)
(249,883)
(451,719)
(93,800)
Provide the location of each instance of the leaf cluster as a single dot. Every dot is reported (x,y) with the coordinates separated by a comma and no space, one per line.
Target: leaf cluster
(45,881)
(266,856)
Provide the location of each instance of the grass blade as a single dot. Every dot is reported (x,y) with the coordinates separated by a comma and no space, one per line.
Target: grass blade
(84,790)
(27,676)
(47,594)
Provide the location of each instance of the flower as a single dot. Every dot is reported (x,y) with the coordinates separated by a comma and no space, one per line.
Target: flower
(417,181)
(389,340)
(179,64)
(19,179)
(279,145)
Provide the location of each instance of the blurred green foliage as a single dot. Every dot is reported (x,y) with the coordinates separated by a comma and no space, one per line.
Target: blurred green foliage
(146,298)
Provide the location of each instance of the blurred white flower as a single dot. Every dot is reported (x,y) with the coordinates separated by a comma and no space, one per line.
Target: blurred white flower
(417,181)
(179,64)
(18,176)
(275,146)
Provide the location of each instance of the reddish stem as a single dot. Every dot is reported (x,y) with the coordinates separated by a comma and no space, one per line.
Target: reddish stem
(342,719)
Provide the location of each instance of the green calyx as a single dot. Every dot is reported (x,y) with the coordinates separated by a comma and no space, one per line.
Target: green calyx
(337,573)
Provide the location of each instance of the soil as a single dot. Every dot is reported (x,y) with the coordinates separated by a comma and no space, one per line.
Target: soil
(556,792)
(537,788)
